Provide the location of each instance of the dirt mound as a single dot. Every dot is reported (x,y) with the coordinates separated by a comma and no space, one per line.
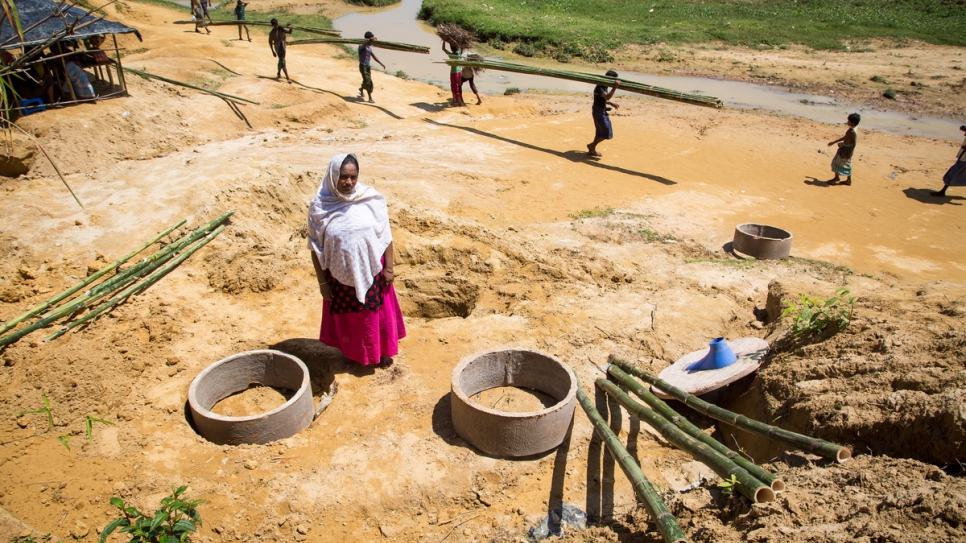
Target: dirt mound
(890,384)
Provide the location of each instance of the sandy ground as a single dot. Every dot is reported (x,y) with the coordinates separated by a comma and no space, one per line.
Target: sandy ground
(480,201)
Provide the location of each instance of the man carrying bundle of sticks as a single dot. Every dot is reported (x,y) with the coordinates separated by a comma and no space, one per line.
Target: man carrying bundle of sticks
(366,56)
(602,97)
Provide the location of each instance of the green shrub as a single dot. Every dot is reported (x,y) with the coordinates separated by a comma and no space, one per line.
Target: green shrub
(877,79)
(497,43)
(814,316)
(373,3)
(172,523)
(402,75)
(525,49)
(511,90)
(890,94)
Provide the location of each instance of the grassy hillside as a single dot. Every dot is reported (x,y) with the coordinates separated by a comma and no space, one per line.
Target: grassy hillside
(592,28)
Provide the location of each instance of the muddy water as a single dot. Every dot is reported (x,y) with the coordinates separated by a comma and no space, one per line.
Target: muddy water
(399,24)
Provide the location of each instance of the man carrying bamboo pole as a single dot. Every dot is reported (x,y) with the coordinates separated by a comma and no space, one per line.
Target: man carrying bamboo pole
(366,56)
(240,16)
(604,130)
(276,42)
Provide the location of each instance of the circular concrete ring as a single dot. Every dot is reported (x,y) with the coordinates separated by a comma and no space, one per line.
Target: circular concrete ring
(501,433)
(235,374)
(762,241)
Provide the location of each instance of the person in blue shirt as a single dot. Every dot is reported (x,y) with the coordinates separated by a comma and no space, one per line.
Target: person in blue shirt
(240,16)
(366,56)
(602,97)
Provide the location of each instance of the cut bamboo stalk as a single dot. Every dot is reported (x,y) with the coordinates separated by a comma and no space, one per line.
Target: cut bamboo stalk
(805,443)
(138,287)
(161,255)
(110,267)
(594,79)
(667,525)
(685,425)
(83,301)
(406,47)
(749,486)
(219,94)
(233,22)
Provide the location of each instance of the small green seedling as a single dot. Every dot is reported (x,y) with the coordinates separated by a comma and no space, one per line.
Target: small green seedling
(173,523)
(813,316)
(89,425)
(30,538)
(64,441)
(45,409)
(728,486)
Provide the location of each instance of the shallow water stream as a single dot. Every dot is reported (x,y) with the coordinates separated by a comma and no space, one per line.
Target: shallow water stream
(399,24)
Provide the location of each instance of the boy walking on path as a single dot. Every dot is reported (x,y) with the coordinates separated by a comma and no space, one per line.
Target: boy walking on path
(276,41)
(199,15)
(366,56)
(602,127)
(240,16)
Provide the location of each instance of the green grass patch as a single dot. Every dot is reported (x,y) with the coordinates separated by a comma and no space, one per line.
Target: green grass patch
(121,5)
(730,262)
(592,213)
(591,29)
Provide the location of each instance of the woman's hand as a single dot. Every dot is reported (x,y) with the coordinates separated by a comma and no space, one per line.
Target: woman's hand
(388,276)
(325,291)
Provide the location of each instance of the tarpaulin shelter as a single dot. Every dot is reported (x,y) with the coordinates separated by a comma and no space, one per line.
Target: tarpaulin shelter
(42,20)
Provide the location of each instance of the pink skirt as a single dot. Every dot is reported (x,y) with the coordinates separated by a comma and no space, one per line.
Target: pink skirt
(365,336)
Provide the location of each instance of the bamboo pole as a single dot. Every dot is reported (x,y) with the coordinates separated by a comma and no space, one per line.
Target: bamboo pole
(138,287)
(685,425)
(749,486)
(223,95)
(813,445)
(84,301)
(594,79)
(395,46)
(160,255)
(112,266)
(666,523)
(232,22)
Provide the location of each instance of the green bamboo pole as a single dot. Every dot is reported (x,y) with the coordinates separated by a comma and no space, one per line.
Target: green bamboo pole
(667,525)
(685,425)
(158,257)
(220,22)
(82,301)
(813,445)
(749,486)
(594,79)
(138,287)
(395,46)
(112,266)
(222,95)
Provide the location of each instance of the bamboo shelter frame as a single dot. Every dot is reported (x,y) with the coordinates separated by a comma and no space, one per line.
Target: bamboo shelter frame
(805,443)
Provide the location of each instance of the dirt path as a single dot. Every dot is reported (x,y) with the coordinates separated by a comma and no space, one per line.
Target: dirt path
(480,201)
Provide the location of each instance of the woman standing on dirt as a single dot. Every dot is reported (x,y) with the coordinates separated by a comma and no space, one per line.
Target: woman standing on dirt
(842,162)
(351,246)
(455,73)
(956,175)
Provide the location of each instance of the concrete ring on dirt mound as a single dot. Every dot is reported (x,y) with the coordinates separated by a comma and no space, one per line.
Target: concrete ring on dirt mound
(237,373)
(511,434)
(762,241)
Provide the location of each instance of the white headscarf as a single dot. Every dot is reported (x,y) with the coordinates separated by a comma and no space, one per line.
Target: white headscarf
(349,232)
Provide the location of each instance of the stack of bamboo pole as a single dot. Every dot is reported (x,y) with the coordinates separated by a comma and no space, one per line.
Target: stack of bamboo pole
(217,22)
(751,480)
(120,286)
(405,47)
(595,79)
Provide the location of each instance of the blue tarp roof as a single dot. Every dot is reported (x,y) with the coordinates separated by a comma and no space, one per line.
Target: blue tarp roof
(33,11)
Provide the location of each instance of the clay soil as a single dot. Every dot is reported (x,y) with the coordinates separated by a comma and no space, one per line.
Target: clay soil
(481,202)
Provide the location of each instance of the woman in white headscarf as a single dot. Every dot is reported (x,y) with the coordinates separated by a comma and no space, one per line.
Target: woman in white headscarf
(351,248)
